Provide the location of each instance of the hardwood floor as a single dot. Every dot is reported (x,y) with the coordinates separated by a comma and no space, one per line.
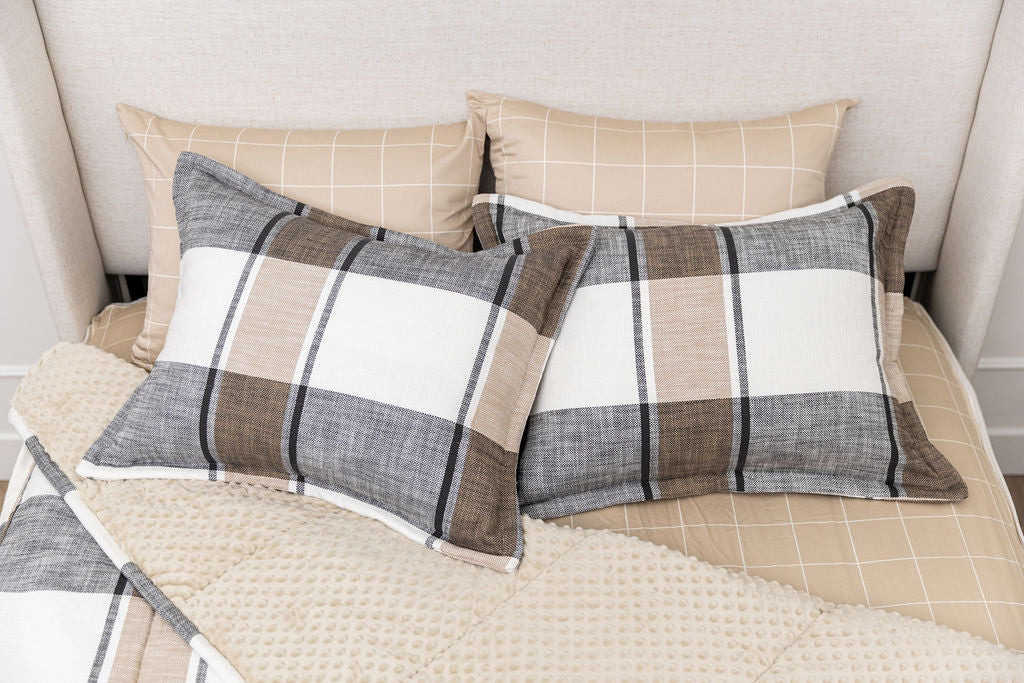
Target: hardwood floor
(1015,484)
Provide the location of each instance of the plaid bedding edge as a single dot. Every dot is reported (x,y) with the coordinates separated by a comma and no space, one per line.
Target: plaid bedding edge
(77,608)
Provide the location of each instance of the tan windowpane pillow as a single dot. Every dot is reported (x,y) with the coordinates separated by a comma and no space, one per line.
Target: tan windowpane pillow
(658,172)
(420,181)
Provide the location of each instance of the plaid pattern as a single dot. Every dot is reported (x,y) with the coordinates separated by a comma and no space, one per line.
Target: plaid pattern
(382,372)
(414,180)
(70,613)
(756,357)
(659,173)
(960,565)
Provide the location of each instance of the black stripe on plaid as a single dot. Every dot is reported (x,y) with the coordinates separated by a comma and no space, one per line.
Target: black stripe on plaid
(453,453)
(204,436)
(346,258)
(894,457)
(741,356)
(641,365)
(499,220)
(102,650)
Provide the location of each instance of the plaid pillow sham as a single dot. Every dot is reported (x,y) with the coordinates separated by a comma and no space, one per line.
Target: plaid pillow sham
(372,369)
(757,357)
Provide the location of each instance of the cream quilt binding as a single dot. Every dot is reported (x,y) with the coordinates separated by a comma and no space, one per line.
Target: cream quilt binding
(278,585)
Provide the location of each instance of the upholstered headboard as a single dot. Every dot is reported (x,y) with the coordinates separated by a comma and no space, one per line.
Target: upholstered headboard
(941,101)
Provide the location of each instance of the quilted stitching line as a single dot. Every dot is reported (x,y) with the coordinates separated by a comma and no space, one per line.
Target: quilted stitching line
(501,604)
(797,638)
(248,556)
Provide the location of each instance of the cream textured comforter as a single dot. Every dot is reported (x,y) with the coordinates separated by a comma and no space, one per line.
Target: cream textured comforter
(269,585)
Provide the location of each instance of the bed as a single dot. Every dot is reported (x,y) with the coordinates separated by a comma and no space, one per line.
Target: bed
(932,109)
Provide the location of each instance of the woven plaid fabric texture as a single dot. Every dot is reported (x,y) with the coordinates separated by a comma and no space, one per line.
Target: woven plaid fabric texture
(657,172)
(415,180)
(957,564)
(759,357)
(376,370)
(69,613)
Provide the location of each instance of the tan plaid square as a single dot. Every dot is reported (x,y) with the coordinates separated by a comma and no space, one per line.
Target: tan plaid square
(689,339)
(276,319)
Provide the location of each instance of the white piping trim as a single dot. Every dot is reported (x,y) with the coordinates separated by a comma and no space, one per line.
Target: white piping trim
(19,424)
(91,470)
(214,659)
(108,544)
(95,527)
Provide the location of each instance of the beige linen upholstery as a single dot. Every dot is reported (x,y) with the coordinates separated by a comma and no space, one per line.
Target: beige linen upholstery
(42,163)
(956,564)
(657,172)
(916,72)
(990,192)
(419,181)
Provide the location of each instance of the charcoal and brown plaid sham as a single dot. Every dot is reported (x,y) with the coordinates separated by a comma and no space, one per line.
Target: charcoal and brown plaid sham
(758,357)
(376,370)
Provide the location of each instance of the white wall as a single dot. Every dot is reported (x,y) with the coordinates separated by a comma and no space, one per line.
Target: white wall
(26,328)
(1000,376)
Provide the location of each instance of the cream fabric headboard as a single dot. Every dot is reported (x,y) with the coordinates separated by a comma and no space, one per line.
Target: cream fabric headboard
(916,68)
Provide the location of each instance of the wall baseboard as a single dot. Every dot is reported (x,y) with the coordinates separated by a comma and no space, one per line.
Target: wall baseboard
(1008,444)
(18,371)
(1001,363)
(1000,386)
(10,441)
(10,444)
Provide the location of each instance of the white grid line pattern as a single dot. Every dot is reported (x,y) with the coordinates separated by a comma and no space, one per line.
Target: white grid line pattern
(415,180)
(115,328)
(974,448)
(643,169)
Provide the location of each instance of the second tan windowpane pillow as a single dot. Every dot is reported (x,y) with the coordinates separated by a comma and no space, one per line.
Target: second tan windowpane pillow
(712,172)
(419,181)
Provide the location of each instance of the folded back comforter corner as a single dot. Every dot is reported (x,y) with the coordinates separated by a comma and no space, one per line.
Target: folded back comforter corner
(267,585)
